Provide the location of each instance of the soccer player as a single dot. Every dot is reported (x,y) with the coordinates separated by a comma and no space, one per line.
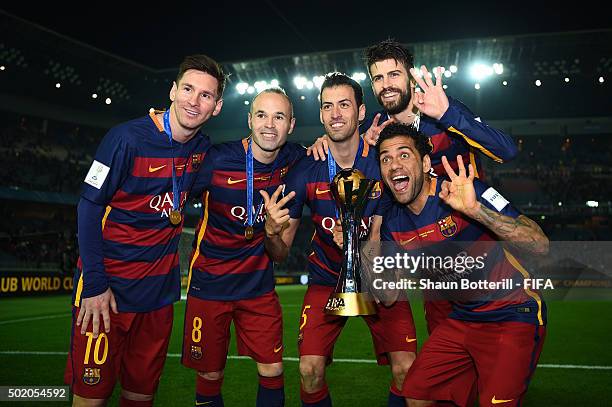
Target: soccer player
(230,274)
(392,328)
(452,128)
(129,221)
(493,342)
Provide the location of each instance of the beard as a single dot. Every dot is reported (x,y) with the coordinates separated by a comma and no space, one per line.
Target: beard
(395,107)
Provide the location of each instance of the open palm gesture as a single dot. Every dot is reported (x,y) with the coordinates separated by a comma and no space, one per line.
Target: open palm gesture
(459,192)
(432,100)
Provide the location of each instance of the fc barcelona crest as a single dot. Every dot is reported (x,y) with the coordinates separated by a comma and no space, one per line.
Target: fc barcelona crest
(196,160)
(283,171)
(376,191)
(196,352)
(91,376)
(448,227)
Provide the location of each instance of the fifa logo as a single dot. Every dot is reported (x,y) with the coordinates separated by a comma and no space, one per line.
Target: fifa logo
(335,304)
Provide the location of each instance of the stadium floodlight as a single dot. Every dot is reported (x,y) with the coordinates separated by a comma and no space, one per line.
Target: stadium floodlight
(300,82)
(108,101)
(151,110)
(560,203)
(94,95)
(58,85)
(2,68)
(448,74)
(260,85)
(505,83)
(302,97)
(538,82)
(592,204)
(246,102)
(242,87)
(566,79)
(453,68)
(480,71)
(309,84)
(498,68)
(250,90)
(359,76)
(476,86)
(318,80)
(444,86)
(601,79)
(274,82)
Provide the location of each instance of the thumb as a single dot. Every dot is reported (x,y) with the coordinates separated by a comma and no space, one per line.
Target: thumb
(113,304)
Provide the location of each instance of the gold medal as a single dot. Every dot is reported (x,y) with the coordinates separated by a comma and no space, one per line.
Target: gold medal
(248,232)
(175,217)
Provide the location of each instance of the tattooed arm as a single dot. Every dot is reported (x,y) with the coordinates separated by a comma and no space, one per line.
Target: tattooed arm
(518,230)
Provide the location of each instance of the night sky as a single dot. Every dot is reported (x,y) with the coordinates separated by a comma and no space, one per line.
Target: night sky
(159,35)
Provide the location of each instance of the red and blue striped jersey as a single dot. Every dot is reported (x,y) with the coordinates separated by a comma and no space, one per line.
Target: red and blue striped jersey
(310,181)
(132,177)
(225,265)
(459,132)
(438,226)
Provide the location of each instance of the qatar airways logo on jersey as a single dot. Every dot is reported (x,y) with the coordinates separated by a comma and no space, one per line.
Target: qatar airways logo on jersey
(240,213)
(328,224)
(163,203)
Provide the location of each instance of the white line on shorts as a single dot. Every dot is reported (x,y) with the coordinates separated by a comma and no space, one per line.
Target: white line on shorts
(294,359)
(13,321)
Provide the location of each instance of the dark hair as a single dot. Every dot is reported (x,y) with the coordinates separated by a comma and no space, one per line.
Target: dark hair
(206,64)
(388,49)
(279,91)
(338,79)
(422,142)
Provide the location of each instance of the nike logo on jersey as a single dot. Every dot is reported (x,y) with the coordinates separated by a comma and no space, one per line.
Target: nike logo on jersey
(409,339)
(321,191)
(495,401)
(231,181)
(154,169)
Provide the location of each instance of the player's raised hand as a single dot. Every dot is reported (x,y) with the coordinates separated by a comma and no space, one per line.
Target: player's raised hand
(319,149)
(337,232)
(432,100)
(277,217)
(459,193)
(91,309)
(371,136)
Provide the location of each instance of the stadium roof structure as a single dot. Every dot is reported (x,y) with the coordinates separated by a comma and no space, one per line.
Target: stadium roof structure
(529,77)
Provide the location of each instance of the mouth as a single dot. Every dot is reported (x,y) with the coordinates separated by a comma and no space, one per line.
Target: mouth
(337,125)
(268,135)
(192,113)
(389,94)
(400,183)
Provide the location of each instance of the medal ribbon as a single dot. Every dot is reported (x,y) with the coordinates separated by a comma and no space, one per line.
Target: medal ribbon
(249,170)
(176,184)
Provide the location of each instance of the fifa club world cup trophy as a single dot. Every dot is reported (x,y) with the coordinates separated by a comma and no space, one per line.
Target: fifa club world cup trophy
(350,190)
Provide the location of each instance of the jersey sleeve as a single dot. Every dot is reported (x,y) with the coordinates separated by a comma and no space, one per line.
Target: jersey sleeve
(493,200)
(494,143)
(295,152)
(385,202)
(296,181)
(111,166)
(89,221)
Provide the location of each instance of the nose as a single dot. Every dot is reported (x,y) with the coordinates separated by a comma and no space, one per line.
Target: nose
(394,164)
(386,81)
(193,100)
(336,113)
(269,122)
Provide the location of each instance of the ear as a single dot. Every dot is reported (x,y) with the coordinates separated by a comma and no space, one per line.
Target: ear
(362,112)
(291,125)
(321,116)
(426,164)
(218,107)
(173,91)
(249,120)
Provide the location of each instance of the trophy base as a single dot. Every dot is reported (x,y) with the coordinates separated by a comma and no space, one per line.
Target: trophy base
(350,304)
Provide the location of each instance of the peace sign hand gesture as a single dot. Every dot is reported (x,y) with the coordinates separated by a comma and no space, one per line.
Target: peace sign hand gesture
(432,100)
(372,134)
(459,193)
(276,215)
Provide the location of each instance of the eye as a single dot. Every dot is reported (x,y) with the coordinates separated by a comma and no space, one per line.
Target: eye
(385,160)
(344,105)
(260,115)
(279,117)
(405,155)
(377,78)
(326,107)
(205,96)
(186,88)
(394,74)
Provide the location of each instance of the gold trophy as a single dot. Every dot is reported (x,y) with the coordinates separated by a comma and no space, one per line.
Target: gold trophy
(350,190)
